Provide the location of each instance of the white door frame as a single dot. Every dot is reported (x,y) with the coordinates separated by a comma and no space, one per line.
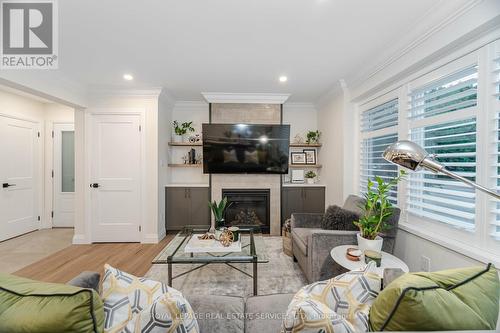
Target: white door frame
(55,177)
(88,162)
(39,154)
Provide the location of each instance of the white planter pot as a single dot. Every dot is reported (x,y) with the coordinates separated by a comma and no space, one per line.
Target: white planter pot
(176,138)
(370,244)
(310,180)
(218,232)
(185,138)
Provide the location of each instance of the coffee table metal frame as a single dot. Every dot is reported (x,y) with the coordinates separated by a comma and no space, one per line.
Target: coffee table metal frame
(211,258)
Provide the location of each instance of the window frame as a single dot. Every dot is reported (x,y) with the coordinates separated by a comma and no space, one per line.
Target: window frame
(477,244)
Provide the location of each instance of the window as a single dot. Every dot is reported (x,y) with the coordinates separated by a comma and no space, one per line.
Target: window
(495,224)
(436,196)
(378,125)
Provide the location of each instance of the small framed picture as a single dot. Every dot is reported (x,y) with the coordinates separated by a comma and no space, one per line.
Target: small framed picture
(298,157)
(297,176)
(310,156)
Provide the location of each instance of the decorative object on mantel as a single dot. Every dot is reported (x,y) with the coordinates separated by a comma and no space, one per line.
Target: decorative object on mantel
(298,157)
(376,211)
(297,176)
(194,138)
(310,156)
(298,139)
(353,254)
(310,176)
(226,238)
(180,131)
(218,210)
(313,137)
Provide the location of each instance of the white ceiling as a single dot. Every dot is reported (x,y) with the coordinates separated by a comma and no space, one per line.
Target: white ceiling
(190,46)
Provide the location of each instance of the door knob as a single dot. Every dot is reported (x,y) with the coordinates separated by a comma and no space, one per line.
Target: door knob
(94,185)
(5,185)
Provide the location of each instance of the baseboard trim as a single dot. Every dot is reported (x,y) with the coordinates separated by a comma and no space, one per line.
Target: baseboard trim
(80,239)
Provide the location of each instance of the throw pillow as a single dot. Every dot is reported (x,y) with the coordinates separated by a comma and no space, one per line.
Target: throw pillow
(337,218)
(133,304)
(337,305)
(28,306)
(455,299)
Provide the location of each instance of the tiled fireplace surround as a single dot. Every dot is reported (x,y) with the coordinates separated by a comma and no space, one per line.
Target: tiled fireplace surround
(249,114)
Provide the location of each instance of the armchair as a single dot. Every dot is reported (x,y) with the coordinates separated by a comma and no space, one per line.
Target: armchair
(311,244)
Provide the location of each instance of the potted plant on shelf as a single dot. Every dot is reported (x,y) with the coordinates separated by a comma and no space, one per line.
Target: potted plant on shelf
(218,225)
(377,210)
(180,131)
(310,176)
(313,137)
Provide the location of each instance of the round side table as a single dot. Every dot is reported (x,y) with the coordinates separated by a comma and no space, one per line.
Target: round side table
(338,254)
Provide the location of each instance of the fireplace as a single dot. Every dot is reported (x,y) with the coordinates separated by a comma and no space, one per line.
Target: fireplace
(248,208)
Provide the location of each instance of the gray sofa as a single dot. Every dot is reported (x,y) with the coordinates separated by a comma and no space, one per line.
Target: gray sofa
(311,244)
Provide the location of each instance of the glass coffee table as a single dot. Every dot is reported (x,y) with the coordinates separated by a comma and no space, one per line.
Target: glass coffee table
(250,250)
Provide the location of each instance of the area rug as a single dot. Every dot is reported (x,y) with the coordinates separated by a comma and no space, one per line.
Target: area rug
(279,275)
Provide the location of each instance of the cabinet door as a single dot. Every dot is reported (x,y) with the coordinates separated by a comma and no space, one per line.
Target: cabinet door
(177,206)
(200,212)
(314,199)
(292,202)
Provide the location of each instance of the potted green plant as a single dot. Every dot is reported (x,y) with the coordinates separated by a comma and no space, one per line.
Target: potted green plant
(218,210)
(180,131)
(313,137)
(310,175)
(377,210)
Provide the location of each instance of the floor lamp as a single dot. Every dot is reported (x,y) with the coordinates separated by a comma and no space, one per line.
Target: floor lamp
(411,156)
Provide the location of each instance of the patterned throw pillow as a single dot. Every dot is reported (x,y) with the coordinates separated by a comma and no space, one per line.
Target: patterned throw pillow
(133,304)
(337,305)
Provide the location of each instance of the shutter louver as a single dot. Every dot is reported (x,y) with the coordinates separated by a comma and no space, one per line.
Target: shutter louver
(495,228)
(382,116)
(452,93)
(373,164)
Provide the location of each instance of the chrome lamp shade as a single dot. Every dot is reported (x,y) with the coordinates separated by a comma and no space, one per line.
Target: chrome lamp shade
(411,156)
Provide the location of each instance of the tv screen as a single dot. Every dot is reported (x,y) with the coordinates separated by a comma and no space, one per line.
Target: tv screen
(245,148)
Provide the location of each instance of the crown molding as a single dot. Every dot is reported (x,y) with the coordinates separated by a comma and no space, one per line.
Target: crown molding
(154,92)
(191,104)
(246,98)
(438,17)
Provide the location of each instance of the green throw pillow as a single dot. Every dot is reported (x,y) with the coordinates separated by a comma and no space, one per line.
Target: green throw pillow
(455,299)
(35,307)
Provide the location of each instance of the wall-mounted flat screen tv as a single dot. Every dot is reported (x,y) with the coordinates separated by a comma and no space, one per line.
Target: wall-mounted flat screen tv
(245,148)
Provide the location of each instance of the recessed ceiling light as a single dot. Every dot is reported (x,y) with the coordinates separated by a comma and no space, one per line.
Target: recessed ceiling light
(283,78)
(128,77)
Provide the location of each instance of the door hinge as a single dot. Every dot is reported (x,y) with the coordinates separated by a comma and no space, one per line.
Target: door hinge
(38,134)
(140,128)
(52,173)
(52,214)
(38,217)
(52,134)
(140,228)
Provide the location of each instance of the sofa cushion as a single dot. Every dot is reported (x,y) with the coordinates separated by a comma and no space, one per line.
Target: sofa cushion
(218,313)
(337,305)
(353,203)
(337,218)
(455,299)
(143,305)
(28,306)
(86,279)
(265,313)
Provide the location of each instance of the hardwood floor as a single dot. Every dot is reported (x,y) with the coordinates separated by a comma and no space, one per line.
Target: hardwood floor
(62,266)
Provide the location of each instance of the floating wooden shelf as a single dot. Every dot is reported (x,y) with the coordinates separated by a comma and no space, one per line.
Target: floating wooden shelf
(185,144)
(305,145)
(306,166)
(180,165)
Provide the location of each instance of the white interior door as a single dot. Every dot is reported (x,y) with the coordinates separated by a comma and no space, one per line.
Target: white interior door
(64,175)
(18,177)
(116,161)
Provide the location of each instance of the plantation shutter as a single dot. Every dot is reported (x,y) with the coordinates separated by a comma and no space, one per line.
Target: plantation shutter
(379,130)
(495,228)
(435,196)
